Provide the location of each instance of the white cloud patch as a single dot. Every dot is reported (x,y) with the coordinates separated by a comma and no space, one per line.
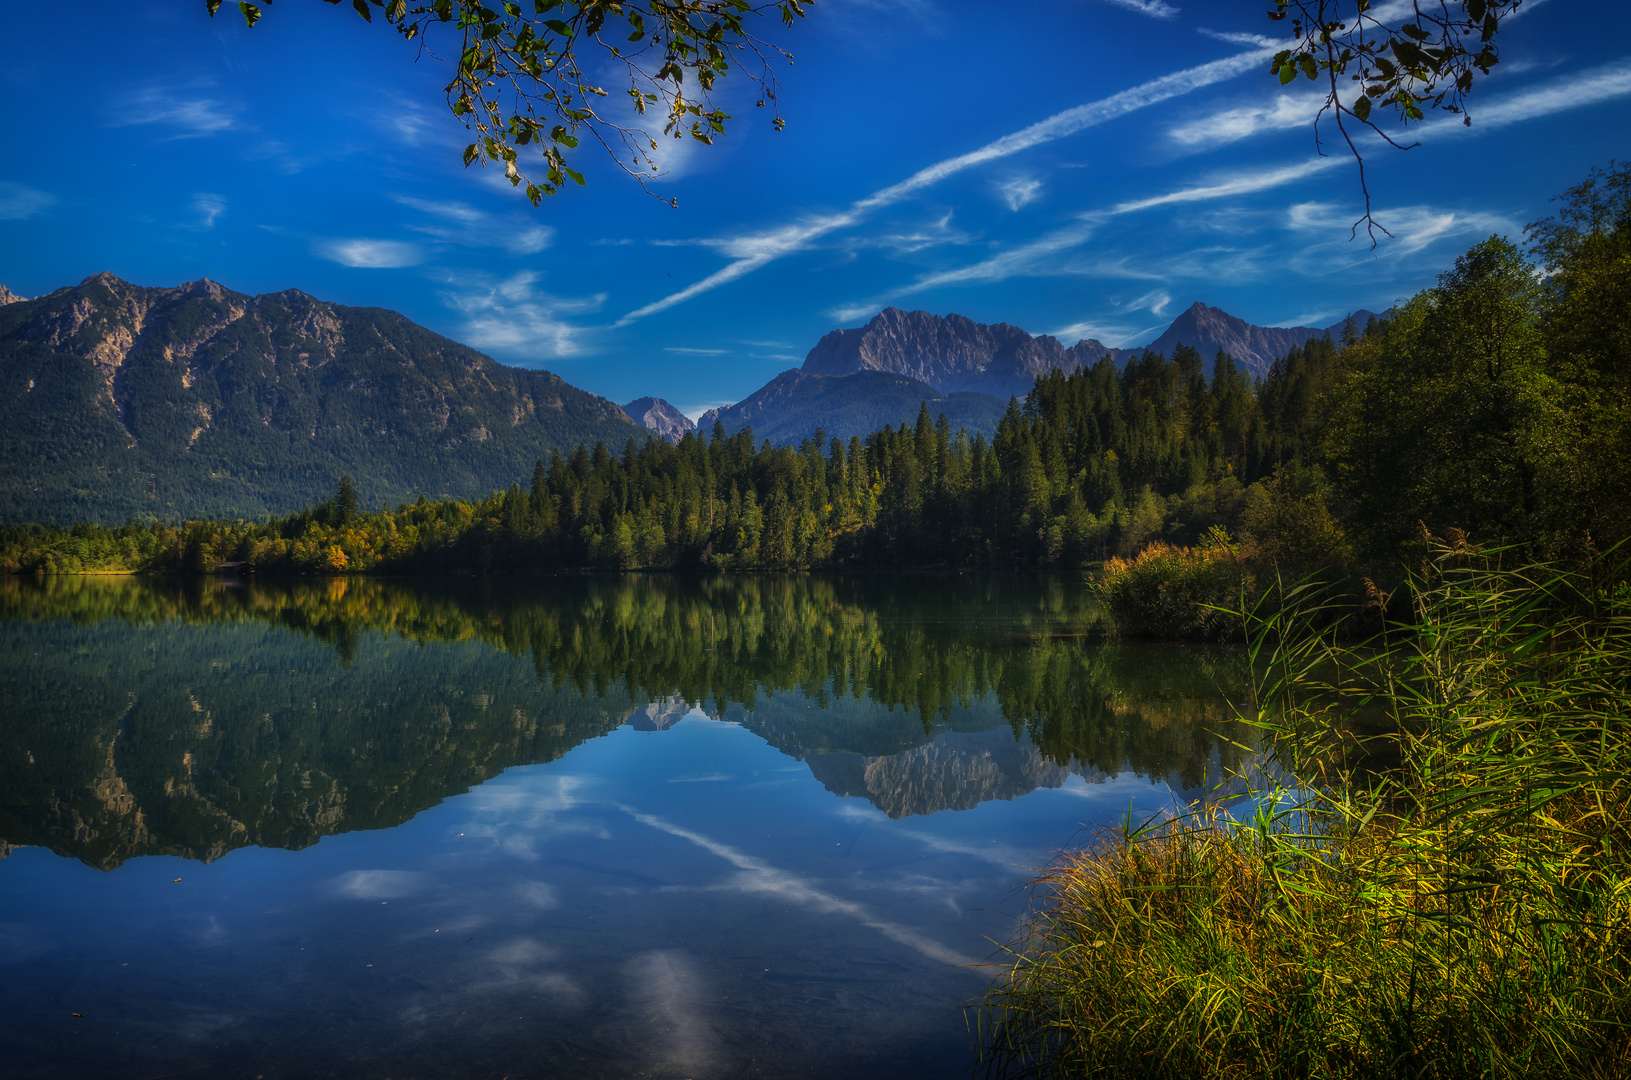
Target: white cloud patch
(687,351)
(189,113)
(538,895)
(379,884)
(1283,112)
(460,223)
(1155,9)
(19,202)
(1018,191)
(208,207)
(370,254)
(512,316)
(1155,303)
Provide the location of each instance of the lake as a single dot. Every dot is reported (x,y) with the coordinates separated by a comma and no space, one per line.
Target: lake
(613,826)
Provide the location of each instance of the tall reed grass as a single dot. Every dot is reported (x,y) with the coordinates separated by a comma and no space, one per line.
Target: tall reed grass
(1464,911)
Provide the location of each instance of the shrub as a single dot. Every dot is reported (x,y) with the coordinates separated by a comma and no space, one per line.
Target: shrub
(1177,593)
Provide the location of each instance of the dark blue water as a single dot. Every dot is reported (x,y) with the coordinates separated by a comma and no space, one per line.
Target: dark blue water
(607,827)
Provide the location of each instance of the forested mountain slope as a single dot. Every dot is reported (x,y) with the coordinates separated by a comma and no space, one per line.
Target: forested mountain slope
(118,400)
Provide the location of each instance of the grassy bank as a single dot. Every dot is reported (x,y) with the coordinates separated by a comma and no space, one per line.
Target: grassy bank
(1464,913)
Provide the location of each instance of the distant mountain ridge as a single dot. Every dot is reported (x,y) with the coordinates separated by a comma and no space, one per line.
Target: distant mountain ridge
(950,353)
(1210,330)
(793,405)
(858,379)
(119,401)
(953,352)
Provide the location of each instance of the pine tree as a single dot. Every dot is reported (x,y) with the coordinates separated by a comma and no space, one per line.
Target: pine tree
(345,502)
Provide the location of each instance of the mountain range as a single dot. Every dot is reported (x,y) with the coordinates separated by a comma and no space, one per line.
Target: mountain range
(121,401)
(857,380)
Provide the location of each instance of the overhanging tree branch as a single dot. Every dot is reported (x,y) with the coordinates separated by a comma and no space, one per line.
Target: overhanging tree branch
(521,79)
(1408,56)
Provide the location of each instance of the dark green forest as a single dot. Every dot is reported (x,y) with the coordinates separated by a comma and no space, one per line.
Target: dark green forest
(1494,404)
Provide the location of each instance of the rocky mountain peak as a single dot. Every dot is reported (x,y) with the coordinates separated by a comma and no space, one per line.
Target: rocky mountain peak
(659,416)
(949,352)
(9,297)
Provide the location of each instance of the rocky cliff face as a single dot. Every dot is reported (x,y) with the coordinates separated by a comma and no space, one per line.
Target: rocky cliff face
(9,297)
(659,416)
(118,400)
(950,353)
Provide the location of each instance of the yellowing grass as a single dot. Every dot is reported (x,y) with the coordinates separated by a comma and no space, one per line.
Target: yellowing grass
(1466,914)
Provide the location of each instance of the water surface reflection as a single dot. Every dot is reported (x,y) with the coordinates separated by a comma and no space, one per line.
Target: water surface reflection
(578,826)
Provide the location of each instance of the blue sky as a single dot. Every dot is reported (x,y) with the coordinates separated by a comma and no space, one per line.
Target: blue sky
(1085,168)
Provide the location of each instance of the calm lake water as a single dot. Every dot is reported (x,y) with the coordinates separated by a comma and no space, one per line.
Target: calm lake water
(600,827)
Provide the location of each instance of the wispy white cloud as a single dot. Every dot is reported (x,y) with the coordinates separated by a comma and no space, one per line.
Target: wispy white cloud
(1284,111)
(370,254)
(208,207)
(1017,191)
(514,317)
(1578,90)
(1155,9)
(19,202)
(1235,38)
(755,250)
(187,111)
(759,877)
(1295,108)
(1014,262)
(1414,227)
(1091,330)
(1155,303)
(685,351)
(460,223)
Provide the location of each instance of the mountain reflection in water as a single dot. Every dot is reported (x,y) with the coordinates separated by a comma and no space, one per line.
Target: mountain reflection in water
(200,716)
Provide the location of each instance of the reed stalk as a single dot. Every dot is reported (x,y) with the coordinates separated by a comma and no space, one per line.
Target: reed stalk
(1464,911)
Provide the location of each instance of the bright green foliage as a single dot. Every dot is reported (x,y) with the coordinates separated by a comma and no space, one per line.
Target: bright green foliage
(1587,250)
(1452,417)
(1177,593)
(1462,913)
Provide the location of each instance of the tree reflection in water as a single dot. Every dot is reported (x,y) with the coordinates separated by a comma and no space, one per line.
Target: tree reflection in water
(195,716)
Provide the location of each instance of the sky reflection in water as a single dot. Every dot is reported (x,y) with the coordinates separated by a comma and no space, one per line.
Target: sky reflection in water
(466,831)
